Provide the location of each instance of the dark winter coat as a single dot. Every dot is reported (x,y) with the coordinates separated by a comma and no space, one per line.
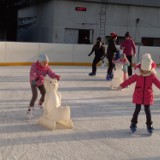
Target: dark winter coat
(99,50)
(111,49)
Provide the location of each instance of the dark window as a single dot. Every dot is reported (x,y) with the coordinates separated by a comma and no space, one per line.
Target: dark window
(150,41)
(83,36)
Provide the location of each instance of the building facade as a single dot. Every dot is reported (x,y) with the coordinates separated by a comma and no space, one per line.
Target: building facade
(70,21)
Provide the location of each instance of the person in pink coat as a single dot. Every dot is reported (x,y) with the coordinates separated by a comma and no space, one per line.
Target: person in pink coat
(38,71)
(143,93)
(129,49)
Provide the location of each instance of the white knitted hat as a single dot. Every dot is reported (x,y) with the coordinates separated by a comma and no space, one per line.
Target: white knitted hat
(42,58)
(146,63)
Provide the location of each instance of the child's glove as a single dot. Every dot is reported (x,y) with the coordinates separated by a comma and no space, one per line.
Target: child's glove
(58,77)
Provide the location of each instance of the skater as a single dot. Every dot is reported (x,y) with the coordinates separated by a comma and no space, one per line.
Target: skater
(125,63)
(120,71)
(99,50)
(128,47)
(111,50)
(143,93)
(38,71)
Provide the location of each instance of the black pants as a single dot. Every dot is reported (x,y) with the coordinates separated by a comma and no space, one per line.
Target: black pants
(130,66)
(147,112)
(94,63)
(35,94)
(110,65)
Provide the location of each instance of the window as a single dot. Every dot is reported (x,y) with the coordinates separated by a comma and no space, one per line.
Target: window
(150,41)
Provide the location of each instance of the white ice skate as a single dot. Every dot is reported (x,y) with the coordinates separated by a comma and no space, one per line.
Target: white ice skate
(30,112)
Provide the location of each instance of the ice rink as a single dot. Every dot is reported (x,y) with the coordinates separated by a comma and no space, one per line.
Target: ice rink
(101,118)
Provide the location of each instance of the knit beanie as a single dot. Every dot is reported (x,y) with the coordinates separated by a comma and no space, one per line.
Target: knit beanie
(146,63)
(42,58)
(113,35)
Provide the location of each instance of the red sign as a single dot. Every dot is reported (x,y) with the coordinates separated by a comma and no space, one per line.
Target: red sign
(80,9)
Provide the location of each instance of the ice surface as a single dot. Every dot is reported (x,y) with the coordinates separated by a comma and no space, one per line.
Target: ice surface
(101,118)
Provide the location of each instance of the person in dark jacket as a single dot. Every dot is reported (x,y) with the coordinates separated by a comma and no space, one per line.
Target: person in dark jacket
(99,50)
(111,50)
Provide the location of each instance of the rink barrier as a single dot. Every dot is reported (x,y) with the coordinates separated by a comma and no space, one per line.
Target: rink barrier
(23,54)
(50,63)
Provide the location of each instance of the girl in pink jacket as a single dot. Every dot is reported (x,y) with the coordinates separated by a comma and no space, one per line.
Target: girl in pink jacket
(143,93)
(38,71)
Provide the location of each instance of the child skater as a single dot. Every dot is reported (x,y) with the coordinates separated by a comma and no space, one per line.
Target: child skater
(38,71)
(125,63)
(143,93)
(121,72)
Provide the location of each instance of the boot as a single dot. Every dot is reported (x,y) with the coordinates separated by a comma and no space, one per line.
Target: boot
(111,75)
(108,78)
(133,127)
(40,104)
(92,74)
(150,128)
(30,112)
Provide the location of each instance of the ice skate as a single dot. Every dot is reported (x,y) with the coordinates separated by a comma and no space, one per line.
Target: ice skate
(150,129)
(108,78)
(92,74)
(133,128)
(40,104)
(30,112)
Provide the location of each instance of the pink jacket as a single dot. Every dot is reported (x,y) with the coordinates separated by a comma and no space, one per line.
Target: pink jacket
(37,73)
(128,47)
(143,93)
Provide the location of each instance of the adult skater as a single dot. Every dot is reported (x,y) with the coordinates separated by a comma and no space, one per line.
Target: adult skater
(111,50)
(129,49)
(99,50)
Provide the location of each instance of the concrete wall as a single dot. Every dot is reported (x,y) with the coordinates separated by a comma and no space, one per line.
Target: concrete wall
(55,17)
(42,28)
(14,53)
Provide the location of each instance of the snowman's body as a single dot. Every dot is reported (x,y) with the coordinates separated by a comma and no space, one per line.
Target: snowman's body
(53,111)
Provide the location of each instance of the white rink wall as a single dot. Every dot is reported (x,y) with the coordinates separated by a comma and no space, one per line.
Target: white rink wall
(60,54)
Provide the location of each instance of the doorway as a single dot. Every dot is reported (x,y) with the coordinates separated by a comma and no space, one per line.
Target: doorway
(84,36)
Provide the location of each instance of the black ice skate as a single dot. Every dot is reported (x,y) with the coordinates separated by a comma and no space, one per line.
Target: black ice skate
(92,74)
(150,129)
(133,127)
